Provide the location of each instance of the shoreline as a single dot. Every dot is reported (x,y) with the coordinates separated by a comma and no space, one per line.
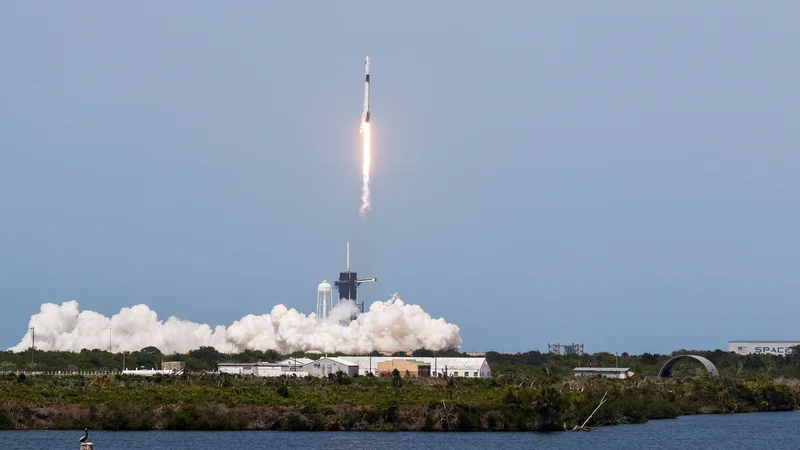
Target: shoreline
(57,430)
(225,402)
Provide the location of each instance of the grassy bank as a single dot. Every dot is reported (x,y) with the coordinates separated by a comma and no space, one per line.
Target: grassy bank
(227,402)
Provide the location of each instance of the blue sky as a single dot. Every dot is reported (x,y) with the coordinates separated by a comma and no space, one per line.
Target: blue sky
(623,176)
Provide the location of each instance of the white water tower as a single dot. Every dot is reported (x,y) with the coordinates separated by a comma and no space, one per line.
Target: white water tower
(324,299)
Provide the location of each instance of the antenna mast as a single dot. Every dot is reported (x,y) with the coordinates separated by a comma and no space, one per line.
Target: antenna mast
(348,257)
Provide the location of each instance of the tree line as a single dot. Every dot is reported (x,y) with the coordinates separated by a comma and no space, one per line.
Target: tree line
(207,358)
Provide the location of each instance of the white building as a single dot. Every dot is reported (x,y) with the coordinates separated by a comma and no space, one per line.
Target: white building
(167,368)
(295,362)
(324,366)
(151,372)
(458,367)
(293,366)
(261,369)
(352,365)
(780,348)
(608,372)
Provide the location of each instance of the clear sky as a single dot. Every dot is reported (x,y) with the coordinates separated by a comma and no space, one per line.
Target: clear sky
(620,174)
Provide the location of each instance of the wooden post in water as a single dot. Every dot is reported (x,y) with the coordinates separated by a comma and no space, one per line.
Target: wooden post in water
(87,446)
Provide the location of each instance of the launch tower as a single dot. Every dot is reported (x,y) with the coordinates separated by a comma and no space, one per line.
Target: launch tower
(348,283)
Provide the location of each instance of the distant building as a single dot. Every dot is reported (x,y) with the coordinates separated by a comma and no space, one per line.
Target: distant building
(362,365)
(167,368)
(295,362)
(781,348)
(410,367)
(293,366)
(608,372)
(260,369)
(325,366)
(458,367)
(174,366)
(149,372)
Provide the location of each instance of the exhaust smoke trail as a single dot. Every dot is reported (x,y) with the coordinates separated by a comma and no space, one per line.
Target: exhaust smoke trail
(367,159)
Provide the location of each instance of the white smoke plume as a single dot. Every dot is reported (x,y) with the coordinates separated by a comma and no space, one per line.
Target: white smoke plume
(388,326)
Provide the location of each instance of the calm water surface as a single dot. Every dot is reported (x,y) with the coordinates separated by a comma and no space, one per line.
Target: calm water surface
(746,431)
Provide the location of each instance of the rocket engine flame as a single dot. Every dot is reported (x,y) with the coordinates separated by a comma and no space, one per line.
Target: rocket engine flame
(365,166)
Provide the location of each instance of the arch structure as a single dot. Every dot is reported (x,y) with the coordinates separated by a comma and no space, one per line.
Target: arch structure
(666,370)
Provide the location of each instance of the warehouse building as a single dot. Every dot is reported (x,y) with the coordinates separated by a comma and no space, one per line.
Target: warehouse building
(458,367)
(296,364)
(167,368)
(362,365)
(261,369)
(406,367)
(325,366)
(608,372)
(780,348)
(174,366)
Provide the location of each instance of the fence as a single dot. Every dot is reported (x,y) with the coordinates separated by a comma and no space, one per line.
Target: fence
(86,373)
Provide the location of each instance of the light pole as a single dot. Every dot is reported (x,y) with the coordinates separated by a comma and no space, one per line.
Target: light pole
(616,356)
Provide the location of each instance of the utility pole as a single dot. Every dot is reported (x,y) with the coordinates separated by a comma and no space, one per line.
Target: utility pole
(109,339)
(616,356)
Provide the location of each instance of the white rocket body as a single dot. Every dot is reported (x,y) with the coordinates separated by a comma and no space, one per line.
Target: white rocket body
(365,114)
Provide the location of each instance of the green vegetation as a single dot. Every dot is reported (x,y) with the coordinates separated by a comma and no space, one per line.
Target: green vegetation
(730,365)
(228,402)
(529,391)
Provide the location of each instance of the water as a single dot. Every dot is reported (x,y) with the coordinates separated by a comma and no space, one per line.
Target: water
(738,431)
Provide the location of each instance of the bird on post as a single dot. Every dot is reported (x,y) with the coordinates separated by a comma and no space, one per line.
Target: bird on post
(85,436)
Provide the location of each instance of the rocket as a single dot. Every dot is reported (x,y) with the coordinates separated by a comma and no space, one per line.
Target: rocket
(365,114)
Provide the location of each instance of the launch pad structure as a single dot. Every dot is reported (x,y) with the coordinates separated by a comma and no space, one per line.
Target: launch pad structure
(569,349)
(348,283)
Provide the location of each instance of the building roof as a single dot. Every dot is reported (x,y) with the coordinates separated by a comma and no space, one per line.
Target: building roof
(437,363)
(298,361)
(601,369)
(262,364)
(341,361)
(412,361)
(417,362)
(764,342)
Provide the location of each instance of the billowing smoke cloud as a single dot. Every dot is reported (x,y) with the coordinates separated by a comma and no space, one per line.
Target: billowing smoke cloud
(388,326)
